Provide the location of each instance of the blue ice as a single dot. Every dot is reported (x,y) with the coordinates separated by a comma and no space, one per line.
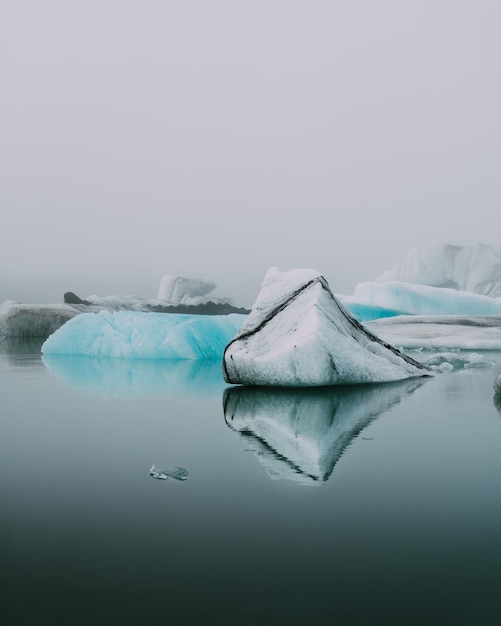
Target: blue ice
(131,334)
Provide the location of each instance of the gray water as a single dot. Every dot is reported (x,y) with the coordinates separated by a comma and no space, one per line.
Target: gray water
(366,506)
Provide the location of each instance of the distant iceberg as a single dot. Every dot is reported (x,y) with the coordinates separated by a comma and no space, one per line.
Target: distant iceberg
(129,334)
(475,268)
(181,290)
(30,320)
(459,332)
(408,299)
(435,279)
(298,334)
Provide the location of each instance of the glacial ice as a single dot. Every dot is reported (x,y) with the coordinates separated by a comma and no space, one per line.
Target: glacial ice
(298,334)
(129,334)
(177,289)
(409,299)
(178,473)
(439,332)
(475,268)
(450,361)
(300,434)
(29,321)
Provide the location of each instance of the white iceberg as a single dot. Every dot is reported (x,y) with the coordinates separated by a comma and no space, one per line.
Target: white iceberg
(298,334)
(475,268)
(459,332)
(189,291)
(129,334)
(33,321)
(177,289)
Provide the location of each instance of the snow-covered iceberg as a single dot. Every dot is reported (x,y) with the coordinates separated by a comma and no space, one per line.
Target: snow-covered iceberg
(129,334)
(300,434)
(31,321)
(475,268)
(298,334)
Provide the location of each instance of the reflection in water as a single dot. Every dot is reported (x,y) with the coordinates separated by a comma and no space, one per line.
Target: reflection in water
(21,352)
(300,434)
(137,377)
(497,401)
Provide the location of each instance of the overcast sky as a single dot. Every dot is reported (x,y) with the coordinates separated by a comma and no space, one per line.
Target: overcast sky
(215,138)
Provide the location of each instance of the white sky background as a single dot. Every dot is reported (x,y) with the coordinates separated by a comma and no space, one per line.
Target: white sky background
(216,138)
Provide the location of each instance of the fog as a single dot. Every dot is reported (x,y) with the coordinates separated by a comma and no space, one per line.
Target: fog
(214,139)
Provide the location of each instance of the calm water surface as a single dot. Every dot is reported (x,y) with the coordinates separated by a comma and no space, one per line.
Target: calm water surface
(368,506)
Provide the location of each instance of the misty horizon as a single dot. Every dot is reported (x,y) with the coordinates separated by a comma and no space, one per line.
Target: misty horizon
(217,139)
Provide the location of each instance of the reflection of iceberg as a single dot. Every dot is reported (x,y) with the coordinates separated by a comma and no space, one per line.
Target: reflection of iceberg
(137,377)
(300,434)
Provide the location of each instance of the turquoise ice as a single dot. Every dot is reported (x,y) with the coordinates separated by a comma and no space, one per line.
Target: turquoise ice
(131,334)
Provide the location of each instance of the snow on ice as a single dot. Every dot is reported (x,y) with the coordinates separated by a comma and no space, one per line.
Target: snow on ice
(300,434)
(298,334)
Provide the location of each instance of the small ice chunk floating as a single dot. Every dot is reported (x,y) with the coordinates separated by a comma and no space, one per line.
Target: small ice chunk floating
(298,334)
(178,473)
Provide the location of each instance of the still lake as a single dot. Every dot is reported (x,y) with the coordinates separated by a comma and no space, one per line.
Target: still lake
(356,506)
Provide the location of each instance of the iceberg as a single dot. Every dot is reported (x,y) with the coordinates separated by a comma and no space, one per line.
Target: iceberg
(299,334)
(409,299)
(180,290)
(459,332)
(131,334)
(300,434)
(475,268)
(33,321)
